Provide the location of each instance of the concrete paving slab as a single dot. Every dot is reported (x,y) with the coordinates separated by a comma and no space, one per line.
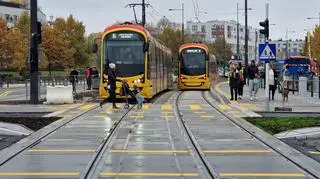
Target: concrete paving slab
(14,129)
(245,155)
(313,132)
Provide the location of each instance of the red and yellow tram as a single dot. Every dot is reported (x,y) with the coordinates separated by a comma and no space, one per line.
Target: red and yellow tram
(140,59)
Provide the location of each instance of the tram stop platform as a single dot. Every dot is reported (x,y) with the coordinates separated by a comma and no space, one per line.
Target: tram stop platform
(180,135)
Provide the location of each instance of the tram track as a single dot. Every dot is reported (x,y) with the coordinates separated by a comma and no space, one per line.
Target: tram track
(7,158)
(95,161)
(92,169)
(209,168)
(254,135)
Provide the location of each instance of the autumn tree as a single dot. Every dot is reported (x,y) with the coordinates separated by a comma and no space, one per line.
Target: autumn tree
(23,30)
(57,49)
(12,51)
(221,49)
(172,39)
(94,58)
(315,43)
(74,32)
(5,58)
(17,1)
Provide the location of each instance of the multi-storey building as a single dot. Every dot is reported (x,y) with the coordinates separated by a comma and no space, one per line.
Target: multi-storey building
(295,47)
(11,11)
(211,30)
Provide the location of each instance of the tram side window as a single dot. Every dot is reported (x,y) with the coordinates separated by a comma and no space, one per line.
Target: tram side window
(161,64)
(157,61)
(154,62)
(149,65)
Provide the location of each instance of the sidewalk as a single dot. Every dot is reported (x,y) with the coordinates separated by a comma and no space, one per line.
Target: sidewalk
(297,103)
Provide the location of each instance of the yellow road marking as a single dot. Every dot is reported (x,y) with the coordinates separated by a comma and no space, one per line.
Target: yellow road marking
(316,153)
(206,116)
(118,105)
(167,112)
(103,117)
(107,112)
(166,107)
(167,116)
(248,106)
(200,112)
(60,151)
(5,93)
(151,174)
(224,107)
(261,174)
(137,117)
(195,107)
(64,174)
(86,107)
(240,116)
(64,116)
(151,151)
(237,151)
(145,106)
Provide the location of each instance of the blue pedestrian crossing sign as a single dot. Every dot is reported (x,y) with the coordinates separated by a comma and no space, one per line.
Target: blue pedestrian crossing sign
(267,52)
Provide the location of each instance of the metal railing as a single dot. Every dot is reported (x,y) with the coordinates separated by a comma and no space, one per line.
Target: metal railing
(81,84)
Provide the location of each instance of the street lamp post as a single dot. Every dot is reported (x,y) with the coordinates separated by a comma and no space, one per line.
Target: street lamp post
(182,18)
(238,29)
(315,18)
(238,33)
(246,34)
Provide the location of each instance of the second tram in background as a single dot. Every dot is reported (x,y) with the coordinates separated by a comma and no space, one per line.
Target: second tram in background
(197,68)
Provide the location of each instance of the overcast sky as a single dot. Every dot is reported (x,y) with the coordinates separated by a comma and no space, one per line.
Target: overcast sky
(97,14)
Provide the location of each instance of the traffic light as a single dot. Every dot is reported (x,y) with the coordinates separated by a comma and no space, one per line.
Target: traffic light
(265,30)
(39,36)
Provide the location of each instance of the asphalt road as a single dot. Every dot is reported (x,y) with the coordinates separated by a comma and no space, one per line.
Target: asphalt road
(18,93)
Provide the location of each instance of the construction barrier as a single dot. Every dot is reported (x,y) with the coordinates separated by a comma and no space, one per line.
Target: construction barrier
(59,95)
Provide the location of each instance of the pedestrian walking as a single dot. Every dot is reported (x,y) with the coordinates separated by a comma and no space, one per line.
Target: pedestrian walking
(254,79)
(233,82)
(112,79)
(241,81)
(88,78)
(273,81)
(73,78)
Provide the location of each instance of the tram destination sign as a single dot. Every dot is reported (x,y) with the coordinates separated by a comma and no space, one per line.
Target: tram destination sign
(124,36)
(194,51)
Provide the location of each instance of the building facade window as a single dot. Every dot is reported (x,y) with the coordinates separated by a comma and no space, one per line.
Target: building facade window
(194,28)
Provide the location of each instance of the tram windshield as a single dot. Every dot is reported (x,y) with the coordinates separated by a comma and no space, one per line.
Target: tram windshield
(125,49)
(193,62)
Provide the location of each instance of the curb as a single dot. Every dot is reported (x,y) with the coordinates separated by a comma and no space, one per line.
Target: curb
(306,163)
(15,149)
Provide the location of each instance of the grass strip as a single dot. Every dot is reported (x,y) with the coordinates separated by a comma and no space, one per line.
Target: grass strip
(277,125)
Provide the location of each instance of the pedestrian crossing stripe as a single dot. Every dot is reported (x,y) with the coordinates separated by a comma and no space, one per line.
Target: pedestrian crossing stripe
(86,107)
(166,107)
(195,107)
(267,53)
(224,107)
